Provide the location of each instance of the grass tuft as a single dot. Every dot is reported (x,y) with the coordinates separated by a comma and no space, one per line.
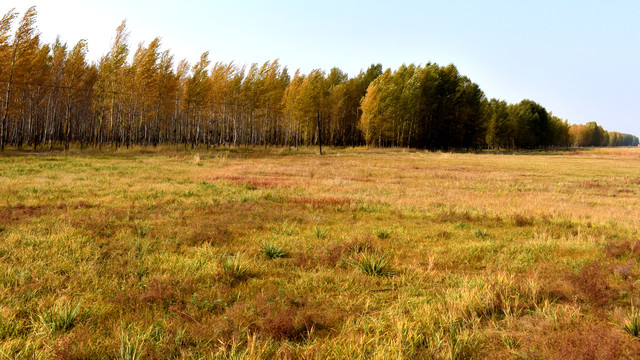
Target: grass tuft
(235,268)
(285,229)
(461,225)
(132,347)
(373,264)
(631,323)
(10,327)
(141,230)
(60,318)
(321,233)
(480,233)
(383,234)
(273,251)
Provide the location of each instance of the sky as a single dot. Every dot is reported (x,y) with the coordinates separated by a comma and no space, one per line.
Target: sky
(578,59)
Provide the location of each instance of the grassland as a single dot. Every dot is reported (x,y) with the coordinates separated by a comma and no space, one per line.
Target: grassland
(378,254)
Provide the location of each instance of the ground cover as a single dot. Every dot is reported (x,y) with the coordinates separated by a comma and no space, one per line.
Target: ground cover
(356,254)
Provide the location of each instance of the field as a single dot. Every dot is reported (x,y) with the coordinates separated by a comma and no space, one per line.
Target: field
(357,254)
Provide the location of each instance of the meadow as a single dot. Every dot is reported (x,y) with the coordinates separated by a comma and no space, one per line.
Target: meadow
(356,254)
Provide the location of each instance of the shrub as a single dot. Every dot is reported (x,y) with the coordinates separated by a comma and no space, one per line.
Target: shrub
(480,233)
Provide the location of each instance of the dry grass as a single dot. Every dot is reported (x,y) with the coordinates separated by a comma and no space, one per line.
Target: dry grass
(492,256)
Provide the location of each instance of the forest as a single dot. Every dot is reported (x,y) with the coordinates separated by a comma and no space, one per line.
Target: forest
(52,95)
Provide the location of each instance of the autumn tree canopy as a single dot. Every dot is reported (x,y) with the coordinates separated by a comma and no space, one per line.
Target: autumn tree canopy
(50,94)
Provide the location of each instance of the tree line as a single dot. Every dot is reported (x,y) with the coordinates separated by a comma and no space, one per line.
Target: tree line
(51,94)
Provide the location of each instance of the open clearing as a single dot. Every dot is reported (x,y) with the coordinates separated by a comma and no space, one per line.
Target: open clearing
(378,254)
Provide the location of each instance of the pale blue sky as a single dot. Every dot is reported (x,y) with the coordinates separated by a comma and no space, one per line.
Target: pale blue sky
(579,59)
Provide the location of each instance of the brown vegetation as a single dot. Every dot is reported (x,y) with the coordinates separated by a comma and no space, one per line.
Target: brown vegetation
(169,255)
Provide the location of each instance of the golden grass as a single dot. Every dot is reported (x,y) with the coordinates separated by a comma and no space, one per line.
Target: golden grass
(161,253)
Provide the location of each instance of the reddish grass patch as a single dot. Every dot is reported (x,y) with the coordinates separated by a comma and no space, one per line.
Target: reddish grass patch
(20,212)
(273,314)
(101,225)
(592,285)
(159,292)
(75,346)
(292,319)
(593,343)
(451,216)
(623,248)
(521,220)
(559,290)
(624,271)
(79,205)
(320,202)
(281,324)
(332,255)
(213,233)
(590,185)
(360,179)
(221,224)
(261,182)
(162,291)
(83,205)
